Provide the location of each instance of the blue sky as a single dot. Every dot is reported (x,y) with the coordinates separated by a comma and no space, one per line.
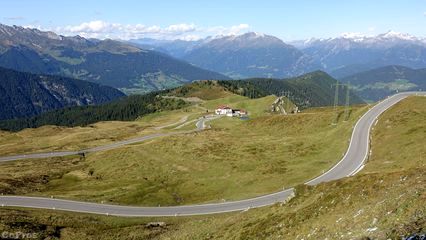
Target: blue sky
(289,20)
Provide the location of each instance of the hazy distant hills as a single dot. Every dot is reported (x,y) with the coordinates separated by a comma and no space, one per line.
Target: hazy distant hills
(248,55)
(108,62)
(259,55)
(25,95)
(176,48)
(381,82)
(347,55)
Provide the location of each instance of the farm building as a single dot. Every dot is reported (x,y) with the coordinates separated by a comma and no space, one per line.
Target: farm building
(228,111)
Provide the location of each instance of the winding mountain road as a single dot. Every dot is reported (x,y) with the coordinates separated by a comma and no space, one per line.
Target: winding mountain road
(350,164)
(200,124)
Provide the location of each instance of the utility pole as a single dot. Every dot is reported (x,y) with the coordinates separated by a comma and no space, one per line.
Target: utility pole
(348,86)
(336,102)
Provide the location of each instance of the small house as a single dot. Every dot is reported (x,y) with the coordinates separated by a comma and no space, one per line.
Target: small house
(223,110)
(227,111)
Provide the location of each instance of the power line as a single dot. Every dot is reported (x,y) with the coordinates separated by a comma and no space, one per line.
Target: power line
(336,102)
(348,85)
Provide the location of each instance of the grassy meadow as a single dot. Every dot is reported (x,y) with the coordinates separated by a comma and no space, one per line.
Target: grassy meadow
(234,159)
(384,201)
(56,138)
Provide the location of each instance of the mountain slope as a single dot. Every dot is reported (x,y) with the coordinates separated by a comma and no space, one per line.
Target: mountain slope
(347,55)
(309,90)
(176,48)
(25,95)
(313,89)
(381,82)
(384,201)
(124,109)
(259,55)
(248,55)
(108,62)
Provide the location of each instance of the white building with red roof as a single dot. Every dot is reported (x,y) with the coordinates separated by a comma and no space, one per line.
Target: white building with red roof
(228,111)
(223,110)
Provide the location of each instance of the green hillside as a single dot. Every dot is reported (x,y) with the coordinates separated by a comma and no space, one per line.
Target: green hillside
(124,109)
(309,90)
(313,89)
(379,83)
(233,159)
(203,90)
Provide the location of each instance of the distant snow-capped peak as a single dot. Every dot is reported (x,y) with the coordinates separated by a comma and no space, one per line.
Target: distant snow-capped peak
(355,36)
(397,35)
(389,35)
(388,38)
(248,37)
(257,34)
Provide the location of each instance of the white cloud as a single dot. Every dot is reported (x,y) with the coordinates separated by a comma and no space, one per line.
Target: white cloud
(91,27)
(102,29)
(233,30)
(181,28)
(238,29)
(351,35)
(36,26)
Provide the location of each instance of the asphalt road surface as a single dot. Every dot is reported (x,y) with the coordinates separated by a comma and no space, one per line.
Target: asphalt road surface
(350,164)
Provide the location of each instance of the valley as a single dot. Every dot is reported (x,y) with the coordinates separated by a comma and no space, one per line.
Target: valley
(242,120)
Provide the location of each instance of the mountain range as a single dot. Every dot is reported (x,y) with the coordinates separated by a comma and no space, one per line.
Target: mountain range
(25,94)
(240,56)
(376,66)
(114,63)
(350,54)
(143,65)
(260,55)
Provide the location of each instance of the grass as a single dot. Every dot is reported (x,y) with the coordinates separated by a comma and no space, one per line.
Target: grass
(406,146)
(55,138)
(255,107)
(235,159)
(213,104)
(378,203)
(397,85)
(384,201)
(205,90)
(23,177)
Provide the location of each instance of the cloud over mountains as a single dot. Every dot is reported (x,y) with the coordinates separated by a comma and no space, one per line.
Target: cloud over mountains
(186,31)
